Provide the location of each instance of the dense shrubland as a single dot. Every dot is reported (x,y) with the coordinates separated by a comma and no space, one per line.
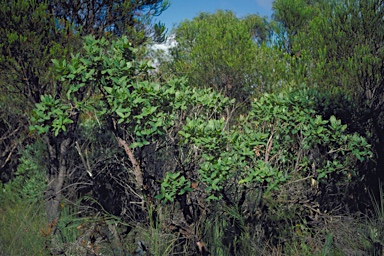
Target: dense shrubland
(250,137)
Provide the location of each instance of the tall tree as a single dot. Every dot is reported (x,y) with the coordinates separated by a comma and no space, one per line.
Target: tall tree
(29,39)
(221,51)
(293,17)
(32,33)
(131,18)
(341,49)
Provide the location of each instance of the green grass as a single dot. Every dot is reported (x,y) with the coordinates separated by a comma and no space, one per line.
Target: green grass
(21,224)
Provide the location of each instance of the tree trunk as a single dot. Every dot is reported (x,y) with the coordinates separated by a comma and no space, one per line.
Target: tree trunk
(56,174)
(136,167)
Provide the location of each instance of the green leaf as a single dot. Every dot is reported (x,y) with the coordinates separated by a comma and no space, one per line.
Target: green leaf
(322,175)
(136,145)
(56,63)
(108,89)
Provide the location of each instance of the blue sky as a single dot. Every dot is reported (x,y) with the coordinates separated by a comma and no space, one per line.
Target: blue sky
(188,9)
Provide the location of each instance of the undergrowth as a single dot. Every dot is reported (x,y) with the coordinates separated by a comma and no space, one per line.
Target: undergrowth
(22,226)
(225,231)
(24,232)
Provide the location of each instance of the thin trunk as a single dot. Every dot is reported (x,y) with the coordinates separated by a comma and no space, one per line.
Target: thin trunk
(136,166)
(136,171)
(56,173)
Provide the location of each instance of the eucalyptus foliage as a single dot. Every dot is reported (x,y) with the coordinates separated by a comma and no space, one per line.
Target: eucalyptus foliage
(280,139)
(222,51)
(110,80)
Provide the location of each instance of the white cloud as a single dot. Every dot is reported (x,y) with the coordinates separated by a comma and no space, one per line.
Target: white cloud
(267,4)
(171,42)
(163,50)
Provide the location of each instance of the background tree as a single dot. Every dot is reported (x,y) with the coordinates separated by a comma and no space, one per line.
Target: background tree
(34,32)
(29,40)
(130,18)
(293,17)
(223,52)
(341,52)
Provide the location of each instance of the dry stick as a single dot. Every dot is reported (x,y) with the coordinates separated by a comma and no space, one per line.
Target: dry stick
(73,185)
(86,164)
(10,135)
(126,185)
(228,117)
(299,180)
(9,156)
(136,166)
(269,147)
